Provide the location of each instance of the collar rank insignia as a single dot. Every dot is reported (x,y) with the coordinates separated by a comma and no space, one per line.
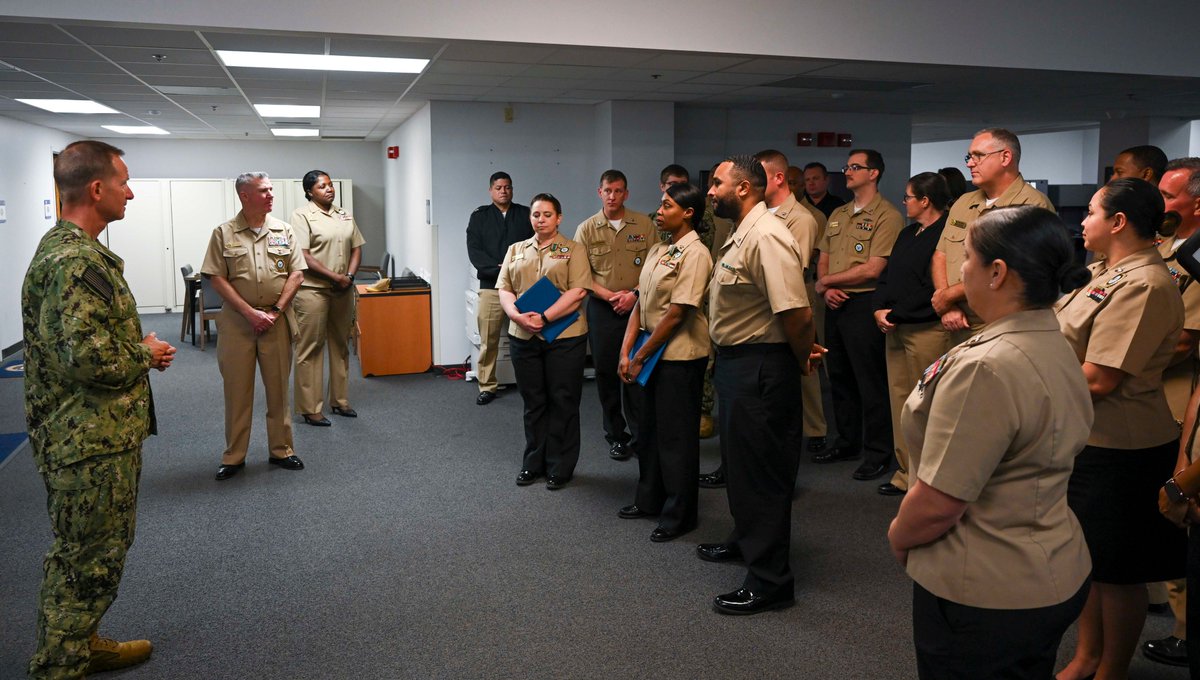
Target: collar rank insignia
(1098,294)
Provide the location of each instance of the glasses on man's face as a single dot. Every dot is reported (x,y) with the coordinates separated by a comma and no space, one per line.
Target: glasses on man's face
(855,167)
(977,157)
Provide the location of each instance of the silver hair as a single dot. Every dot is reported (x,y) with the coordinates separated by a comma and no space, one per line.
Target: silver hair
(1007,140)
(1191,164)
(243,180)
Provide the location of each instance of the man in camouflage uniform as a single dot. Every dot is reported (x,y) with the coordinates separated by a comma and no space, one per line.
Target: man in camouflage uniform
(89,408)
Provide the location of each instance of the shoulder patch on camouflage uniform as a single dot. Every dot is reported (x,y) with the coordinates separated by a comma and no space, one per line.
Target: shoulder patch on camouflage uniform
(92,278)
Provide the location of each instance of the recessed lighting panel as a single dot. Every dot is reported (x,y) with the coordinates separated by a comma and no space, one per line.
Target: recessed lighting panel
(136,129)
(294,132)
(68,105)
(321,62)
(288,111)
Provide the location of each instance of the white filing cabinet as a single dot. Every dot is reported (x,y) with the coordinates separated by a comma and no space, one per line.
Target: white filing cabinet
(504,368)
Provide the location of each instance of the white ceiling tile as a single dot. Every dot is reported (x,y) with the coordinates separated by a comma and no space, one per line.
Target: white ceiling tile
(449,66)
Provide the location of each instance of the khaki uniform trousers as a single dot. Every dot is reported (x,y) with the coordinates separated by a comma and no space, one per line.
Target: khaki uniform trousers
(238,350)
(909,349)
(492,321)
(810,385)
(324,318)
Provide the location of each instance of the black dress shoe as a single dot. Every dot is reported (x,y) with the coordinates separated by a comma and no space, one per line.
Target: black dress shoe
(816,444)
(889,489)
(868,471)
(713,480)
(345,412)
(661,535)
(619,451)
(226,471)
(289,463)
(742,602)
(316,422)
(556,483)
(527,477)
(485,398)
(718,552)
(633,512)
(834,455)
(1169,650)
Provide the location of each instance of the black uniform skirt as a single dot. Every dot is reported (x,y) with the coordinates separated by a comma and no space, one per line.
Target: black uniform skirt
(1114,493)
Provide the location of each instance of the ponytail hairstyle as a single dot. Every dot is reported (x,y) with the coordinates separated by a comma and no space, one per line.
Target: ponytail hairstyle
(1033,242)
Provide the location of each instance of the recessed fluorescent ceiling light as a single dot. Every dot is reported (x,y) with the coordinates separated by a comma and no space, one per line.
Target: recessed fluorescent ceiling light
(294,132)
(321,62)
(68,105)
(288,111)
(136,129)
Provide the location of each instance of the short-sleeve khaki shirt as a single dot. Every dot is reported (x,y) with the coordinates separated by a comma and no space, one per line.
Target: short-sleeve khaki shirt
(256,265)
(1180,379)
(677,274)
(801,223)
(853,238)
(330,237)
(758,275)
(1128,317)
(616,256)
(997,422)
(968,208)
(562,261)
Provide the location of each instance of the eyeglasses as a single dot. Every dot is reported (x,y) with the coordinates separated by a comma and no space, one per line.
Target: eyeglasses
(906,198)
(855,167)
(978,157)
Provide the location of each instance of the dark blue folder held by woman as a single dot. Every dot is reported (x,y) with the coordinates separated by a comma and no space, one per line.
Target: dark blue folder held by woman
(540,297)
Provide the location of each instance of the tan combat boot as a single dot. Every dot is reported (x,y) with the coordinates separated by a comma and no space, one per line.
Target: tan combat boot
(109,655)
(706,427)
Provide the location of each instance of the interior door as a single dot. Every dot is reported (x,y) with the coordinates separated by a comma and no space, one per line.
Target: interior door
(197,208)
(139,239)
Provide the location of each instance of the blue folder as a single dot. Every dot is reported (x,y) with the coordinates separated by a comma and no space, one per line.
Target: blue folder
(651,361)
(540,297)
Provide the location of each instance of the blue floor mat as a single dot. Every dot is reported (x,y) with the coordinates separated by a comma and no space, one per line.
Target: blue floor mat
(9,441)
(14,368)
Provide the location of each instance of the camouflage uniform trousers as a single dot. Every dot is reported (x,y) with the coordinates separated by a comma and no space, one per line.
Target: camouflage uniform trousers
(93,512)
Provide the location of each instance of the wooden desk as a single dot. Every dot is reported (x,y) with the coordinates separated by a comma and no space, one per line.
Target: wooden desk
(395,331)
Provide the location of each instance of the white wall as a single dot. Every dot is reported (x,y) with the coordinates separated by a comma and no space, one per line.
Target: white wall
(705,136)
(407,187)
(546,148)
(26,179)
(185,158)
(1061,157)
(1065,34)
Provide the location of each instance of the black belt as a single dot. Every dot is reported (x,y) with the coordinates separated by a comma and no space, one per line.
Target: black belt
(752,349)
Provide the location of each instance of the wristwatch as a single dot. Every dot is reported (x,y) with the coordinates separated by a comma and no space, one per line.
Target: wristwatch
(276,309)
(545,321)
(1174,492)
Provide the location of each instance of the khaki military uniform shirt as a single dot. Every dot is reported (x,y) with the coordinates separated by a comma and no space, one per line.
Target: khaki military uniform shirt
(256,265)
(968,208)
(330,237)
(817,215)
(997,422)
(616,257)
(853,238)
(562,261)
(1180,379)
(758,275)
(721,229)
(87,383)
(801,223)
(1128,317)
(677,274)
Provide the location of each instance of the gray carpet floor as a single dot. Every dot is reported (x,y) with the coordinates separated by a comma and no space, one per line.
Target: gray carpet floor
(404,550)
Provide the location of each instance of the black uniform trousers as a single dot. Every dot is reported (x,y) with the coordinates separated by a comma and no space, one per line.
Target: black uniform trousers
(1193,603)
(669,459)
(957,642)
(758,387)
(550,380)
(606,331)
(858,379)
